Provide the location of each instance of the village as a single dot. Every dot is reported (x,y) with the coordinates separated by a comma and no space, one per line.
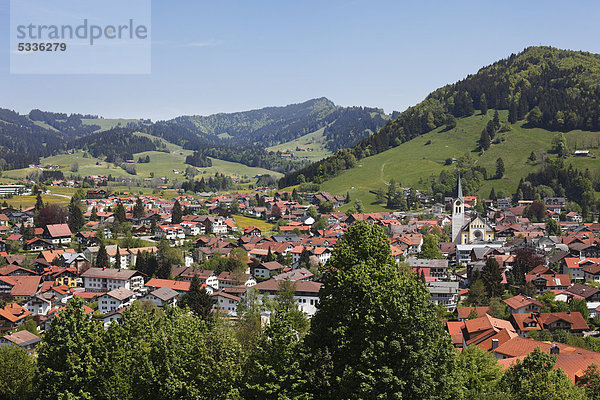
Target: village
(548,272)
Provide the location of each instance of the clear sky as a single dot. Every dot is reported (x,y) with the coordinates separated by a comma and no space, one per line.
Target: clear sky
(226,55)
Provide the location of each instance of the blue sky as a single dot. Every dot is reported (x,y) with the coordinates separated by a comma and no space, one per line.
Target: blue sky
(226,55)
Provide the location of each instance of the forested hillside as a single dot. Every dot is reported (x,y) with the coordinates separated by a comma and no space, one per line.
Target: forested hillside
(550,88)
(240,137)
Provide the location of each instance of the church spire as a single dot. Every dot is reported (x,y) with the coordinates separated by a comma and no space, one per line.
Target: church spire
(460,193)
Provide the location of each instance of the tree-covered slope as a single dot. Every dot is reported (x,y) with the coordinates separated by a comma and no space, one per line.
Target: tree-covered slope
(241,137)
(426,162)
(552,88)
(274,125)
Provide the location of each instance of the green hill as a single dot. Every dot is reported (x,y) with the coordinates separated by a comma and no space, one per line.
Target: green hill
(162,164)
(418,162)
(271,126)
(553,89)
(316,141)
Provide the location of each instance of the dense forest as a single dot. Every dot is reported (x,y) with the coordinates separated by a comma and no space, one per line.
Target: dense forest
(117,143)
(68,124)
(254,156)
(213,183)
(198,160)
(23,142)
(267,126)
(351,125)
(554,89)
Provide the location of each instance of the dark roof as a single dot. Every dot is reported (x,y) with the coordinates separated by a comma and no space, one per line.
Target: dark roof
(582,290)
(110,273)
(272,285)
(272,265)
(164,293)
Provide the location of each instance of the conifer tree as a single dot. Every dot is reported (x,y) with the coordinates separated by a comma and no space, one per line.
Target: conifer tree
(484,140)
(499,168)
(496,120)
(118,259)
(197,299)
(483,104)
(102,260)
(176,213)
(94,216)
(492,278)
(75,216)
(138,209)
(120,213)
(39,203)
(141,262)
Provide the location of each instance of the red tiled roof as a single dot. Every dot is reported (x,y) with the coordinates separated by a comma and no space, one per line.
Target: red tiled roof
(14,312)
(543,320)
(464,312)
(22,285)
(180,286)
(486,322)
(572,360)
(59,230)
(520,301)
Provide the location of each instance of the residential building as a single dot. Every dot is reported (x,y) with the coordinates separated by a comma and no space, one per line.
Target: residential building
(23,339)
(267,269)
(163,296)
(521,304)
(115,300)
(57,233)
(572,322)
(107,279)
(444,294)
(306,295)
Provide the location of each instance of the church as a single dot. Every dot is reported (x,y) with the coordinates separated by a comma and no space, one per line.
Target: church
(476,230)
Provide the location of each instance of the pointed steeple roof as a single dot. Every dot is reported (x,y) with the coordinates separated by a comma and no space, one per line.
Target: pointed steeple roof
(460,193)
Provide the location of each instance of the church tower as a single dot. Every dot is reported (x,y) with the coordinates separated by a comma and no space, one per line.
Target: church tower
(458,214)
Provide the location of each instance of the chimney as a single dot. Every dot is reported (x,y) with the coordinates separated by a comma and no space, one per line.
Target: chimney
(494,344)
(554,349)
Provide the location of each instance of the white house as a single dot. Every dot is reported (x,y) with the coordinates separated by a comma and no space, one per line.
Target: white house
(306,296)
(58,233)
(267,269)
(213,224)
(225,302)
(170,232)
(163,296)
(193,228)
(107,279)
(444,294)
(322,253)
(115,299)
(39,305)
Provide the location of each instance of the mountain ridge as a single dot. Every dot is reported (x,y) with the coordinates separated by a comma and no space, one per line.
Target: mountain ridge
(239,137)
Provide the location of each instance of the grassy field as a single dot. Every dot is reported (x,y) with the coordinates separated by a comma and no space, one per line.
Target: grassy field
(29,201)
(416,163)
(241,222)
(108,123)
(315,140)
(161,165)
